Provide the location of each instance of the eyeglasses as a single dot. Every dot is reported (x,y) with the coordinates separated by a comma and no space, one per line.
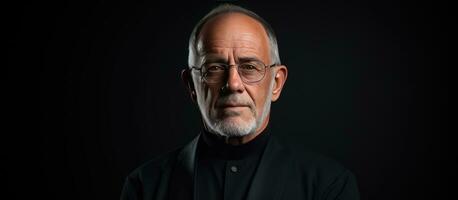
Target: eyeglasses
(249,72)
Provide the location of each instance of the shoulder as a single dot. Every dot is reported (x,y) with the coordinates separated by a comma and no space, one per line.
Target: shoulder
(317,163)
(328,177)
(307,161)
(143,180)
(157,171)
(155,167)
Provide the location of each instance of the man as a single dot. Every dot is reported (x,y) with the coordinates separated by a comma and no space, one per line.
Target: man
(234,75)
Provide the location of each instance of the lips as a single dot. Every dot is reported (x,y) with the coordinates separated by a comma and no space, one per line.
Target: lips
(232,105)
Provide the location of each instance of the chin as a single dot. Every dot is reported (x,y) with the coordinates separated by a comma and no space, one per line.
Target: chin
(234,127)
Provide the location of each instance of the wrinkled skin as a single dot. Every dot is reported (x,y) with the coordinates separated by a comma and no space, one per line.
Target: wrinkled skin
(232,38)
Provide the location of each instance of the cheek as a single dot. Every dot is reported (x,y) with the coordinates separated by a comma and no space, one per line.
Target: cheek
(262,102)
(259,97)
(208,96)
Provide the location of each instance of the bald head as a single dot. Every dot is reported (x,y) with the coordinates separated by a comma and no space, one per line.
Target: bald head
(240,33)
(222,17)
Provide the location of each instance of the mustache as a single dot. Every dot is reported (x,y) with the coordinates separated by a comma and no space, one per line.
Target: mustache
(238,100)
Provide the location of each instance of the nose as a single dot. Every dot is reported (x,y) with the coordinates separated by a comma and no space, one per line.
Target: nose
(234,82)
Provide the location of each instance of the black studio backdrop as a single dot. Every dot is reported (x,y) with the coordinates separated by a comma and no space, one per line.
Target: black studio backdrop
(94,90)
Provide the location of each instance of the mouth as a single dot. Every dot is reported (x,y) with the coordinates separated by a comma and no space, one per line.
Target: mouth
(233,106)
(231,110)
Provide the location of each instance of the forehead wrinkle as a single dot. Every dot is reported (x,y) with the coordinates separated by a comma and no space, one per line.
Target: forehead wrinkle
(239,43)
(225,53)
(236,50)
(233,35)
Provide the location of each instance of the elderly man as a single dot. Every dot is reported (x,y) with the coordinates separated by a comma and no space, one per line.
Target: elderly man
(234,75)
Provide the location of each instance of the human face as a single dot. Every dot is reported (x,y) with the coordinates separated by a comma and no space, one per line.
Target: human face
(233,108)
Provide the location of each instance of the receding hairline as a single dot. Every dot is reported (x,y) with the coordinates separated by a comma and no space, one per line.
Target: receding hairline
(225,9)
(254,27)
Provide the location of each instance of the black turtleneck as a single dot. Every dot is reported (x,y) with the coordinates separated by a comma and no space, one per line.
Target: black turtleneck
(225,171)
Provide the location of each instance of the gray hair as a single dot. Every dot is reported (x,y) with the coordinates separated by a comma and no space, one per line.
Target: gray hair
(229,8)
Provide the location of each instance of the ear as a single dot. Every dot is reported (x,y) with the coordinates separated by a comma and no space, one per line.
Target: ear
(281,74)
(187,80)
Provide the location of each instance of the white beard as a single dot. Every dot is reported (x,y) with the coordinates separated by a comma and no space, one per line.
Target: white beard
(229,128)
(232,129)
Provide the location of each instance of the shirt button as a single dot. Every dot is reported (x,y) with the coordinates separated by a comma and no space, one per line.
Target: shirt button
(234,169)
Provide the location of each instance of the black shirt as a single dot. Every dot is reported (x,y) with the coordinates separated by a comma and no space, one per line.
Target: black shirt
(225,171)
(282,174)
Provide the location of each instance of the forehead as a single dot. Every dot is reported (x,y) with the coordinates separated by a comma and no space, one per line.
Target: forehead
(232,31)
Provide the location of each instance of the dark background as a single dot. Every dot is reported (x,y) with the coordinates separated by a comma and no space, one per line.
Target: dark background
(93,91)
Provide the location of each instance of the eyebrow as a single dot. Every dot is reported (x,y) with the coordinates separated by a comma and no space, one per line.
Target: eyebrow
(248,59)
(215,59)
(224,60)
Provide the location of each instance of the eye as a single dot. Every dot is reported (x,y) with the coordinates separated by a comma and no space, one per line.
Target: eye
(250,67)
(214,67)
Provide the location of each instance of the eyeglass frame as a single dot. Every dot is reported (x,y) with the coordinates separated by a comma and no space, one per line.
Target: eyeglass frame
(227,68)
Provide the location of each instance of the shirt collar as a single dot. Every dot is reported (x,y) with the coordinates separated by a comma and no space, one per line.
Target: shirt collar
(214,145)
